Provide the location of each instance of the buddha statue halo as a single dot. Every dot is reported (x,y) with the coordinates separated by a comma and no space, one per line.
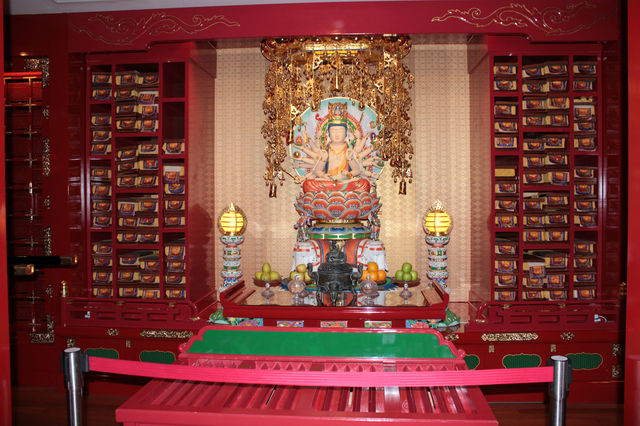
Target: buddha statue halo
(369,73)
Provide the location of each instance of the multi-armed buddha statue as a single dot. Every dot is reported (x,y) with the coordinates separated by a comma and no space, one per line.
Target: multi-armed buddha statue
(337,164)
(338,107)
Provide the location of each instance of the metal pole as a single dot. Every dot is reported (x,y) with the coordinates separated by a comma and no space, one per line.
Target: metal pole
(559,389)
(73,368)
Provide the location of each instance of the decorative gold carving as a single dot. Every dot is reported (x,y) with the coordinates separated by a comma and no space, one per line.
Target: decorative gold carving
(63,288)
(47,202)
(553,348)
(47,241)
(551,20)
(367,69)
(38,64)
(616,349)
(452,337)
(49,291)
(123,32)
(48,336)
(113,332)
(46,157)
(509,337)
(567,335)
(127,343)
(616,371)
(45,112)
(492,349)
(167,334)
(71,342)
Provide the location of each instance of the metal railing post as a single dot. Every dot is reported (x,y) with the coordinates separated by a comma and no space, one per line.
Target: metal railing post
(74,366)
(559,390)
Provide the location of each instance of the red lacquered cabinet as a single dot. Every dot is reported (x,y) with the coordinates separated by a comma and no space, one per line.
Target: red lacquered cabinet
(146,137)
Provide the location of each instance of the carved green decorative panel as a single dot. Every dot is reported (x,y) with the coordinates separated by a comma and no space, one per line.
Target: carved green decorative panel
(159,357)
(585,361)
(103,353)
(521,361)
(472,361)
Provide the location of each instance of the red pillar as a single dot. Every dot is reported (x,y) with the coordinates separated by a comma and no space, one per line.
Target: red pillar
(5,367)
(632,355)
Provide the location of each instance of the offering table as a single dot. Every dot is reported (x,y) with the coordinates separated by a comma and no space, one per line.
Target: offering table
(245,301)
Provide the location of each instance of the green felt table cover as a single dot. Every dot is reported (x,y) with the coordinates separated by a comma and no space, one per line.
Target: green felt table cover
(318,344)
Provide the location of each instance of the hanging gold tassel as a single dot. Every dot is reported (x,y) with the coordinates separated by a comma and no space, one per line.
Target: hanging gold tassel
(273,190)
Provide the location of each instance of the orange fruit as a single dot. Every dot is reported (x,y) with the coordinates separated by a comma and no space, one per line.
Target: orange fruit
(372,266)
(365,275)
(382,275)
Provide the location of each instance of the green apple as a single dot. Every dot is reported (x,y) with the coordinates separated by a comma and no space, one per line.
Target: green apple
(302,268)
(273,275)
(399,275)
(406,276)
(307,278)
(266,267)
(294,274)
(406,267)
(414,275)
(258,275)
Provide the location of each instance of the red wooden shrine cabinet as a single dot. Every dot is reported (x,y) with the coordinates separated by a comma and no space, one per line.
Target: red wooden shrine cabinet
(124,137)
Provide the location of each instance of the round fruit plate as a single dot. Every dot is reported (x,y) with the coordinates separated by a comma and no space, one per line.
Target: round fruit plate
(379,282)
(400,283)
(309,285)
(261,283)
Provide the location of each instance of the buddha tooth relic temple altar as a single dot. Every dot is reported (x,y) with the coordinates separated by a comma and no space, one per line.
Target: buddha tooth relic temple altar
(373,166)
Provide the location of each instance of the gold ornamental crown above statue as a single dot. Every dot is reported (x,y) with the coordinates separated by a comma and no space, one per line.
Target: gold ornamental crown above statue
(367,69)
(337,113)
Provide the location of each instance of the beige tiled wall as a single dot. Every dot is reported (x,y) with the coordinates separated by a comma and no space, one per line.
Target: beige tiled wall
(440,117)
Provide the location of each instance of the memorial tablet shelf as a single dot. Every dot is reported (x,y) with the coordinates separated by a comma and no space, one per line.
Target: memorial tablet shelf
(137,242)
(547,174)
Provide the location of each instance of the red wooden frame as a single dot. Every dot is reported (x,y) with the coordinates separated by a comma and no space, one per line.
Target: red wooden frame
(5,354)
(632,351)
(546,20)
(78,33)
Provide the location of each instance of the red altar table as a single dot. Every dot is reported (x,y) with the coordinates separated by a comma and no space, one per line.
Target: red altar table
(267,352)
(244,301)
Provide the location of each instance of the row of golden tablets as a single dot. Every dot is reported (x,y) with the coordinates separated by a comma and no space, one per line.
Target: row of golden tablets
(140,293)
(124,78)
(171,218)
(504,296)
(559,178)
(553,280)
(544,86)
(554,68)
(532,295)
(129,94)
(507,140)
(553,158)
(144,125)
(546,236)
(510,108)
(585,293)
(545,200)
(149,278)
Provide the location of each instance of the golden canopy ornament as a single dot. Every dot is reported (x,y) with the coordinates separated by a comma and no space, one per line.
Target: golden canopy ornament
(367,69)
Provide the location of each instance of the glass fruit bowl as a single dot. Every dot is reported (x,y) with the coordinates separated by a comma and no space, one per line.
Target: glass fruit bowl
(261,283)
(401,283)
